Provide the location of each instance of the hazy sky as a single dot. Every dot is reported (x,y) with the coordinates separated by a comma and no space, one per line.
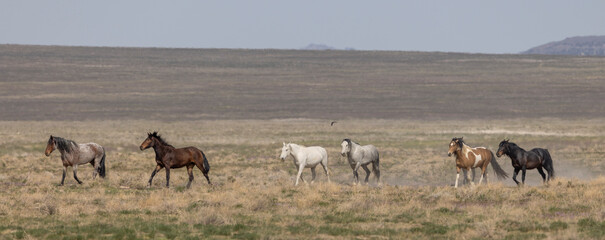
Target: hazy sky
(453,26)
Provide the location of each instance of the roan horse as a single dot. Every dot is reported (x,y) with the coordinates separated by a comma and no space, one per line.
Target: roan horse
(469,158)
(305,157)
(73,154)
(536,158)
(361,156)
(166,156)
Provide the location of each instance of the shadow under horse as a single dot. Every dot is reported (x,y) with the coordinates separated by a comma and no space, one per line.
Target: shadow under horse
(167,156)
(522,160)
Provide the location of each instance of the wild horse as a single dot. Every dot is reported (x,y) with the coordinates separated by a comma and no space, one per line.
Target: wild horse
(306,157)
(167,156)
(522,160)
(361,156)
(469,158)
(73,154)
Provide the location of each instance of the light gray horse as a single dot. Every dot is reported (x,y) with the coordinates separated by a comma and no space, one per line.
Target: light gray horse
(73,154)
(306,157)
(361,156)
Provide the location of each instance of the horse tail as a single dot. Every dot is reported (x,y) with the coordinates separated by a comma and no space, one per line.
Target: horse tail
(376,166)
(500,173)
(548,164)
(101,169)
(205,163)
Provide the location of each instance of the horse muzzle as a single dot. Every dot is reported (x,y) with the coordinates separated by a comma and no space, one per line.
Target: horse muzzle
(498,154)
(449,154)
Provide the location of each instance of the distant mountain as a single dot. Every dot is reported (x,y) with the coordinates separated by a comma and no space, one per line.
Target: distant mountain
(581,46)
(314,46)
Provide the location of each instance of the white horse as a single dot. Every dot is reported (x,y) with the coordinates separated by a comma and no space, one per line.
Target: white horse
(306,157)
(361,156)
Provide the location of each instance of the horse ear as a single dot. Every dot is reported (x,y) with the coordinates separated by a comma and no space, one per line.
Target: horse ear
(284,143)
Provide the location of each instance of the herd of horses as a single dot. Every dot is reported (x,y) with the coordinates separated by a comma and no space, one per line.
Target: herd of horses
(169,157)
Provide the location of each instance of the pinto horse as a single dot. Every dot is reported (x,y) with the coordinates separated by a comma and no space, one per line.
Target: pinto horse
(73,154)
(469,158)
(167,156)
(522,160)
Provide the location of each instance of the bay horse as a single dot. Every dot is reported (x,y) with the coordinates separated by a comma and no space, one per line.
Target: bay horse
(469,158)
(73,154)
(305,157)
(167,156)
(522,160)
(361,156)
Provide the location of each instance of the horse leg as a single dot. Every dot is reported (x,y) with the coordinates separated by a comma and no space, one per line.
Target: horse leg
(190,172)
(325,167)
(355,173)
(156,170)
(299,175)
(201,167)
(63,178)
(75,167)
(365,167)
(543,175)
(94,169)
(483,172)
(167,177)
(468,177)
(515,175)
(312,174)
(523,169)
(457,176)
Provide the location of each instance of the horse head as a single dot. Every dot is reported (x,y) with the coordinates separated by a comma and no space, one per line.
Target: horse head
(285,151)
(455,145)
(50,146)
(148,141)
(346,146)
(502,148)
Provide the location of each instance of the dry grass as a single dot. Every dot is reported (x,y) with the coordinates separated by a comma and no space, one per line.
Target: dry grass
(254,197)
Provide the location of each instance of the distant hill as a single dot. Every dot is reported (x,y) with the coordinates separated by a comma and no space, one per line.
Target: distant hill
(581,46)
(314,46)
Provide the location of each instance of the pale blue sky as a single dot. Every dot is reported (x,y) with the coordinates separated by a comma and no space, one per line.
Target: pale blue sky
(450,26)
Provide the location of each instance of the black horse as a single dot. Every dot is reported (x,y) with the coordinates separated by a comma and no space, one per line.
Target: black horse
(536,158)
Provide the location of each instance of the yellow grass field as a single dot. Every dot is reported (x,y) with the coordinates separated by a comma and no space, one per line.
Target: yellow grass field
(253,194)
(238,106)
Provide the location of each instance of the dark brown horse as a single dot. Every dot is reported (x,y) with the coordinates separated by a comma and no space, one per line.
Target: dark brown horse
(469,158)
(166,156)
(522,160)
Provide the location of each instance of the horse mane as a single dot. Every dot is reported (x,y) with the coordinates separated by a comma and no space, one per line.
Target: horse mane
(348,140)
(64,145)
(514,145)
(460,142)
(159,138)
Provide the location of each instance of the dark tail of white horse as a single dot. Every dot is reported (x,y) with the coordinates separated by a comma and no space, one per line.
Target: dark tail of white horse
(101,168)
(376,167)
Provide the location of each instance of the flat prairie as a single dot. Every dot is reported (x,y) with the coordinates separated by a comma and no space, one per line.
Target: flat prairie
(238,106)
